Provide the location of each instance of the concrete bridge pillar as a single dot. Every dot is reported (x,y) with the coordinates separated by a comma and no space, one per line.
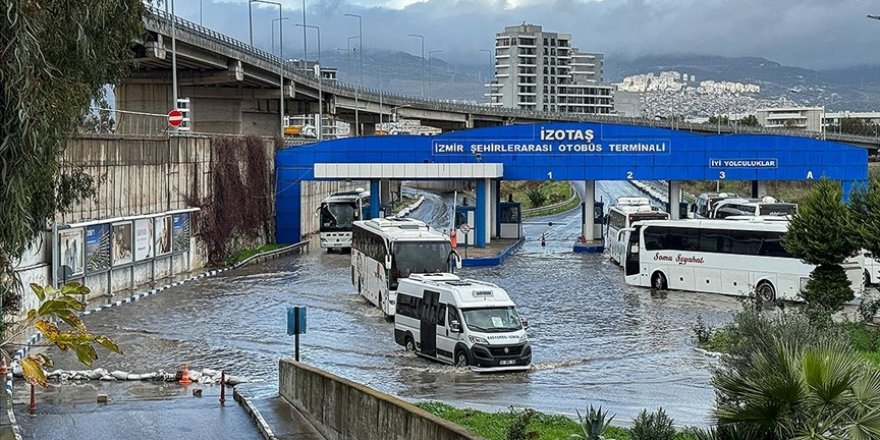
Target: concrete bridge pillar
(589,210)
(385,195)
(759,189)
(674,199)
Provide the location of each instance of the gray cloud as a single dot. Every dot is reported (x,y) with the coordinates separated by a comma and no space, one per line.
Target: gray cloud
(807,33)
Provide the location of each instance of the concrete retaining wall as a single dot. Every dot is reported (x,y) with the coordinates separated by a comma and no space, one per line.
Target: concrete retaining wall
(345,410)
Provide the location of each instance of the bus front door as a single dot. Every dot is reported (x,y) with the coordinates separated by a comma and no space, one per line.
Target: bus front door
(428,323)
(632,264)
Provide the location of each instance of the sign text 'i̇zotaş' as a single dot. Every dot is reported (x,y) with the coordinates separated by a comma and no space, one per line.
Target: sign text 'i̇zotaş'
(553,141)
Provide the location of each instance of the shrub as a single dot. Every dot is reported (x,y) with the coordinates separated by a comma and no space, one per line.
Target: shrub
(593,424)
(518,429)
(653,426)
(537,198)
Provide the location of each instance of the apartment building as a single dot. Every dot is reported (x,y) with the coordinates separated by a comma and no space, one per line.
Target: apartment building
(541,71)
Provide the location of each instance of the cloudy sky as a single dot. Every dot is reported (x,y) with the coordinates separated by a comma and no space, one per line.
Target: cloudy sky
(806,33)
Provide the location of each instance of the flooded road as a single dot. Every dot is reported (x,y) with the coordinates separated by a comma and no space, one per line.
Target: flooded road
(595,340)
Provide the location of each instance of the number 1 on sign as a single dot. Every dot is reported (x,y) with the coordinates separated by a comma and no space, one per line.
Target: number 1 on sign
(550,175)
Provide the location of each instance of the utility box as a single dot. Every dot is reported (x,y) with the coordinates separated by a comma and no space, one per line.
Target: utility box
(465,215)
(509,220)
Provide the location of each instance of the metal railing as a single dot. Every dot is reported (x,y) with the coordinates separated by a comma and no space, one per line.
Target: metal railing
(113,121)
(158,21)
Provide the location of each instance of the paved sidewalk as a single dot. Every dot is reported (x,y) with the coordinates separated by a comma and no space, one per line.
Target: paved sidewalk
(282,418)
(136,410)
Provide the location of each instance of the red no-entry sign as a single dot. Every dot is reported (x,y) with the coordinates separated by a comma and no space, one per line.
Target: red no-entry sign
(175,118)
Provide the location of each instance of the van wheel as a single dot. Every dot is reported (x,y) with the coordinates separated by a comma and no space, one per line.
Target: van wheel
(658,281)
(867,278)
(409,344)
(461,359)
(766,292)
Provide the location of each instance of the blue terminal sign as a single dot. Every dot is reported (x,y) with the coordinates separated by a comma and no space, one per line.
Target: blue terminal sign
(562,141)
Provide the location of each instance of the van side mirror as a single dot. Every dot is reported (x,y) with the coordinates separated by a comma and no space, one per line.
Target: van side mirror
(387,262)
(524,322)
(455,326)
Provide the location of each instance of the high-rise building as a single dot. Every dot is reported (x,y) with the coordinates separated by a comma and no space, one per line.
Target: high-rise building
(540,70)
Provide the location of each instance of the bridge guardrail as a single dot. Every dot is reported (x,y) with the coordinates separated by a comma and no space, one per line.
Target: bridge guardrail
(369,94)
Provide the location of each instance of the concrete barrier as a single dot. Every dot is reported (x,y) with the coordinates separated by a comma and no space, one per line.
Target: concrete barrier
(345,410)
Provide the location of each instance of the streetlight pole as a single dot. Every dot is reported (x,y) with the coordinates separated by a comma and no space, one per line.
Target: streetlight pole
(201,22)
(491,64)
(421,37)
(305,46)
(173,57)
(357,120)
(280,57)
(320,81)
(251,21)
(273,31)
(431,54)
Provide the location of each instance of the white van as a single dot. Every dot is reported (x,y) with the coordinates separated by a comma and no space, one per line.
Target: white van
(461,322)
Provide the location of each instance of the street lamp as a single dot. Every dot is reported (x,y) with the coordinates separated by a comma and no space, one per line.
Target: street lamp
(305,47)
(280,55)
(430,55)
(273,31)
(173,58)
(320,81)
(421,37)
(491,63)
(875,17)
(357,121)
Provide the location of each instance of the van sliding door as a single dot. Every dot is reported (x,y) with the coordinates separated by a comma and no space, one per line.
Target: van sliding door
(428,321)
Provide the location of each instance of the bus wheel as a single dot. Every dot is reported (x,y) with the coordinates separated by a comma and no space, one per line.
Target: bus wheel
(658,281)
(461,359)
(409,343)
(766,292)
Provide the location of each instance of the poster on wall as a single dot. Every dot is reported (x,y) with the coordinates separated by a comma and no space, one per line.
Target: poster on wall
(70,251)
(121,244)
(162,230)
(143,239)
(180,233)
(97,248)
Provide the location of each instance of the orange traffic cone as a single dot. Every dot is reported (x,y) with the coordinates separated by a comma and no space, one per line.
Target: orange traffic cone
(184,378)
(453,239)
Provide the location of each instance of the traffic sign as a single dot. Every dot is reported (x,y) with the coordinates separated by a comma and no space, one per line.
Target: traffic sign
(175,118)
(465,228)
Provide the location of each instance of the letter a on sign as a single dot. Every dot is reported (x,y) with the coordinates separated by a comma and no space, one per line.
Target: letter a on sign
(809,175)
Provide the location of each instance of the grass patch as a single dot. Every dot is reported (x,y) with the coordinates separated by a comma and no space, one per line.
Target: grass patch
(402,203)
(244,254)
(494,425)
(552,191)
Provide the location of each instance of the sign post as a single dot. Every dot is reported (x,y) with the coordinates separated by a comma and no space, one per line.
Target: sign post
(296,325)
(175,118)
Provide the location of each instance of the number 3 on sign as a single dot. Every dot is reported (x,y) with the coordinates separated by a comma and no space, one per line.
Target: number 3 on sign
(550,175)
(722,175)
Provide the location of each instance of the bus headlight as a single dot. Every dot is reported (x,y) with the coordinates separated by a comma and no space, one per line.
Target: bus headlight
(478,340)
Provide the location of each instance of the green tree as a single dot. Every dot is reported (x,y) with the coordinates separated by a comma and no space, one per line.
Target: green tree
(749,121)
(59,306)
(715,119)
(57,56)
(822,234)
(865,211)
(800,392)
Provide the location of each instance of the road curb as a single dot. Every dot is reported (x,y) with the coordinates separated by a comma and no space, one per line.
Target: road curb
(493,261)
(255,415)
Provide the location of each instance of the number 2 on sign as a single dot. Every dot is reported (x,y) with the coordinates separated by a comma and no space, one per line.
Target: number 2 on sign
(550,175)
(629,175)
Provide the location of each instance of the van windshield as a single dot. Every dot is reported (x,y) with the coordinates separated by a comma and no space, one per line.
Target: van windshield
(492,320)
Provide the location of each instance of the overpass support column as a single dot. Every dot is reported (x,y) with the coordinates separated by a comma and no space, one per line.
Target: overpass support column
(368,129)
(588,242)
(759,189)
(496,199)
(375,201)
(385,195)
(481,232)
(674,200)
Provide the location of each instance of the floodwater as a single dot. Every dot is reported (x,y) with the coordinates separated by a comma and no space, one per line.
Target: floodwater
(595,340)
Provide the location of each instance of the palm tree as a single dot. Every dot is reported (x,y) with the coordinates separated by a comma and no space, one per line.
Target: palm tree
(818,392)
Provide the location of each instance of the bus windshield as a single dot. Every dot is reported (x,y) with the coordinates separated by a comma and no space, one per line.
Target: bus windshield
(337,216)
(492,320)
(420,257)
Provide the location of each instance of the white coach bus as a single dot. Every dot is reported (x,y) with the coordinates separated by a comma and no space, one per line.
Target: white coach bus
(625,212)
(719,256)
(337,214)
(385,250)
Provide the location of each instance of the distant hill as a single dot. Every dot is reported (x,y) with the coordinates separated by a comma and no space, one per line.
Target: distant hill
(856,88)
